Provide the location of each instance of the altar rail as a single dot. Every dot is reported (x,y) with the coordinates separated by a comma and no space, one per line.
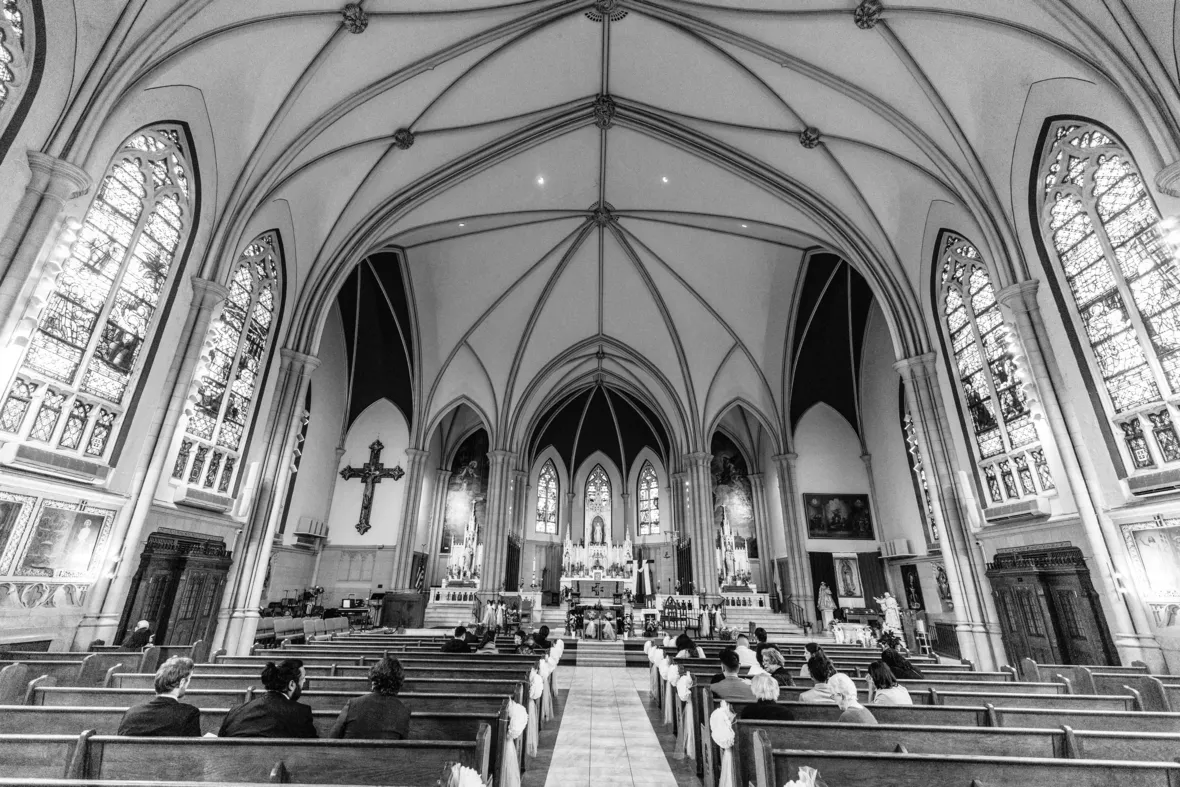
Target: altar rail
(757,600)
(440,595)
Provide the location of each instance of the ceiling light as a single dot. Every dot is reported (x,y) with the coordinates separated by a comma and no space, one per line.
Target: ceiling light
(540,180)
(745,225)
(461,224)
(665,178)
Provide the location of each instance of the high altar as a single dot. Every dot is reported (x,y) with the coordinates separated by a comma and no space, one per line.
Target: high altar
(600,560)
(463,569)
(732,559)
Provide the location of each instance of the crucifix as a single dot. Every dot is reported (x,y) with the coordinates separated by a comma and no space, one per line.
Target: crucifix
(370,473)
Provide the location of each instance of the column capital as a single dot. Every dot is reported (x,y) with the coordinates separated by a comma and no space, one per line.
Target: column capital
(1019,297)
(787,459)
(698,458)
(56,178)
(208,293)
(501,456)
(917,366)
(417,454)
(754,477)
(443,475)
(1167,179)
(294,358)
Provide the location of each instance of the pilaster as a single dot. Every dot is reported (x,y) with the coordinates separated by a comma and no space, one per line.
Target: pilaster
(498,526)
(403,561)
(699,516)
(438,515)
(799,589)
(765,578)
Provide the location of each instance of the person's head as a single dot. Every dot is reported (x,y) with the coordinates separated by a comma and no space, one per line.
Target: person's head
(143,624)
(760,634)
(730,663)
(882,676)
(843,690)
(765,687)
(821,668)
(173,676)
(488,639)
(684,642)
(286,677)
(893,659)
(812,648)
(743,641)
(543,632)
(518,637)
(772,659)
(387,676)
(460,632)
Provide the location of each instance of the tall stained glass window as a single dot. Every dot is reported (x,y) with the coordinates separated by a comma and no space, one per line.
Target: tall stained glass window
(598,494)
(649,501)
(1100,227)
(14,55)
(547,488)
(210,451)
(1004,435)
(72,389)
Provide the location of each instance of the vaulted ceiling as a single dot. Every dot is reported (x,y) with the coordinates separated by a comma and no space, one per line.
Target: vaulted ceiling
(614,190)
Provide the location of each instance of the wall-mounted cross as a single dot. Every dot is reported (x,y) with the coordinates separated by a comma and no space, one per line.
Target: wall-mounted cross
(370,473)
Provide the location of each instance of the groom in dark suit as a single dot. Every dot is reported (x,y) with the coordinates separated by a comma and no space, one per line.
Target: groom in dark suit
(275,714)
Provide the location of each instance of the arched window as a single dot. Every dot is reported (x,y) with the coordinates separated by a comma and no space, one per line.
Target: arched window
(210,451)
(597,493)
(72,389)
(547,488)
(15,55)
(649,501)
(1100,227)
(1005,440)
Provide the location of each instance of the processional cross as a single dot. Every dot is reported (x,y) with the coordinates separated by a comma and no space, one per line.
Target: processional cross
(370,473)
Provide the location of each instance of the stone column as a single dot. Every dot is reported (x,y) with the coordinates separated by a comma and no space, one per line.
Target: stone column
(403,560)
(438,515)
(673,519)
(799,590)
(498,526)
(700,523)
(568,517)
(1130,627)
(765,577)
(931,428)
(106,597)
(38,216)
(520,485)
(248,575)
(628,515)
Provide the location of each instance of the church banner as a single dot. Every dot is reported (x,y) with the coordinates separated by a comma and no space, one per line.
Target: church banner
(849,589)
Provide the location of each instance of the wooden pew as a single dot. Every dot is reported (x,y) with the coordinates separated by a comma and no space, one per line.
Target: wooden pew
(870,769)
(45,756)
(1097,702)
(34,782)
(356,671)
(89,670)
(472,684)
(1032,671)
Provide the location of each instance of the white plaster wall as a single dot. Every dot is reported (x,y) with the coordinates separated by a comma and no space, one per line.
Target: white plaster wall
(379,420)
(829,461)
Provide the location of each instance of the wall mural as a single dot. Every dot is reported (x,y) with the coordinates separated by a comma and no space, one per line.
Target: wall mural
(467,490)
(732,494)
(838,516)
(1155,555)
(848,585)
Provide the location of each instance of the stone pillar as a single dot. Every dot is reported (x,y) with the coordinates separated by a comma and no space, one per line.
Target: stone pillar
(799,590)
(673,519)
(38,216)
(248,575)
(520,521)
(106,597)
(403,561)
(765,577)
(1129,625)
(628,516)
(700,523)
(438,515)
(498,526)
(568,516)
(976,641)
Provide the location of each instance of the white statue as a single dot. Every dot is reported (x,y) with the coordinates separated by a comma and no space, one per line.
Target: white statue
(597,531)
(890,609)
(823,598)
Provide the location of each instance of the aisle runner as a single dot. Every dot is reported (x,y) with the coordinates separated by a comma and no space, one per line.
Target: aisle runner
(605,736)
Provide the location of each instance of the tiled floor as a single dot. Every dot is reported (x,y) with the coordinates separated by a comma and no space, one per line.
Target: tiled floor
(606,735)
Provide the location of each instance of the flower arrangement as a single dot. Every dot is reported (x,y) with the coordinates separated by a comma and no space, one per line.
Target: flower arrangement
(727,634)
(888,639)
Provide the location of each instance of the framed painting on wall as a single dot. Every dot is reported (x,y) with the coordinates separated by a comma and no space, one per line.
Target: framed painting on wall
(67,541)
(1155,555)
(848,584)
(838,516)
(15,513)
(912,587)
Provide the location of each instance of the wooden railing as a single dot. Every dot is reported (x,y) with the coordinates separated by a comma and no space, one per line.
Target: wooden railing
(796,614)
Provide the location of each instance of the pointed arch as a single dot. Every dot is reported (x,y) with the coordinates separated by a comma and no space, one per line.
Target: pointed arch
(647,499)
(548,495)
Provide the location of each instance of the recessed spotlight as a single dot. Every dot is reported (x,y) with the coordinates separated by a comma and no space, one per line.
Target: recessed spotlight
(461,224)
(665,178)
(745,225)
(540,180)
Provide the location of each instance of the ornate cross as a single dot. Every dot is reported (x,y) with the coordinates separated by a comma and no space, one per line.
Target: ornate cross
(370,473)
(596,588)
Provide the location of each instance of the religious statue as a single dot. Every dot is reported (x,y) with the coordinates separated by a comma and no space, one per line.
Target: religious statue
(469,539)
(890,609)
(597,531)
(823,598)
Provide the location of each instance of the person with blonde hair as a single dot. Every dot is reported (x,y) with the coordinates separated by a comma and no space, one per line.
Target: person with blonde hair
(165,716)
(766,693)
(844,694)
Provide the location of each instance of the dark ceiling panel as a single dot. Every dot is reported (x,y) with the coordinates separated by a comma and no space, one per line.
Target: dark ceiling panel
(819,270)
(599,430)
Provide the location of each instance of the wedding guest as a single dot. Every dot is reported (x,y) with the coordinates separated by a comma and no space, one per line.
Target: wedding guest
(810,649)
(821,670)
(378,715)
(275,714)
(165,716)
(687,649)
(746,656)
(766,690)
(776,667)
(900,666)
(731,688)
(845,696)
(488,643)
(140,638)
(458,643)
(884,688)
(761,636)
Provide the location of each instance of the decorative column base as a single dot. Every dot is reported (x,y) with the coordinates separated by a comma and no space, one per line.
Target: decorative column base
(1167,179)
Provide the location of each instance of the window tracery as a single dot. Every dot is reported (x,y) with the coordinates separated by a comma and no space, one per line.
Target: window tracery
(14,59)
(547,488)
(597,492)
(229,382)
(1001,425)
(1101,229)
(86,352)
(649,501)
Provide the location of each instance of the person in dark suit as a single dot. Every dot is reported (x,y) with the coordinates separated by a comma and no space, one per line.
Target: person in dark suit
(731,688)
(459,643)
(766,690)
(541,640)
(140,638)
(378,715)
(275,714)
(165,716)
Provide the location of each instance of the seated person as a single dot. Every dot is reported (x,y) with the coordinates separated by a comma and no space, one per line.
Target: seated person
(766,690)
(519,643)
(378,715)
(821,670)
(488,643)
(165,716)
(776,667)
(140,638)
(687,649)
(745,655)
(761,636)
(844,693)
(731,688)
(900,666)
(275,714)
(458,643)
(884,688)
(810,649)
(608,627)
(541,640)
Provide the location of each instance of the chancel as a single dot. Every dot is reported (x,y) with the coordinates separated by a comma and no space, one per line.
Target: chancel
(580,337)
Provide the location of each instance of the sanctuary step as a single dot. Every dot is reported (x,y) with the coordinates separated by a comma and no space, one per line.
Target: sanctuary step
(591,653)
(777,625)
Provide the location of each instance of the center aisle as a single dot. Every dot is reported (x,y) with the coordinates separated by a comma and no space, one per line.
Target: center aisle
(593,745)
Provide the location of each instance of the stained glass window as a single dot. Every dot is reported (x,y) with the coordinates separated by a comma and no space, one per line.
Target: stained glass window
(547,499)
(87,351)
(14,57)
(649,501)
(229,383)
(997,408)
(918,467)
(1100,226)
(597,493)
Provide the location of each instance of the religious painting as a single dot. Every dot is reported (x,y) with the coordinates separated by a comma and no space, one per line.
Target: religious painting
(66,541)
(733,499)
(838,516)
(1155,555)
(848,584)
(15,512)
(912,587)
(943,583)
(467,490)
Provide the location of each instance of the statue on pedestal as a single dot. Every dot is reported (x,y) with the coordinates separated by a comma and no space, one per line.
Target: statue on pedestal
(891,610)
(826,604)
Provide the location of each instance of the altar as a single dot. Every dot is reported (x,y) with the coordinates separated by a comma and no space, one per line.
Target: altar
(600,569)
